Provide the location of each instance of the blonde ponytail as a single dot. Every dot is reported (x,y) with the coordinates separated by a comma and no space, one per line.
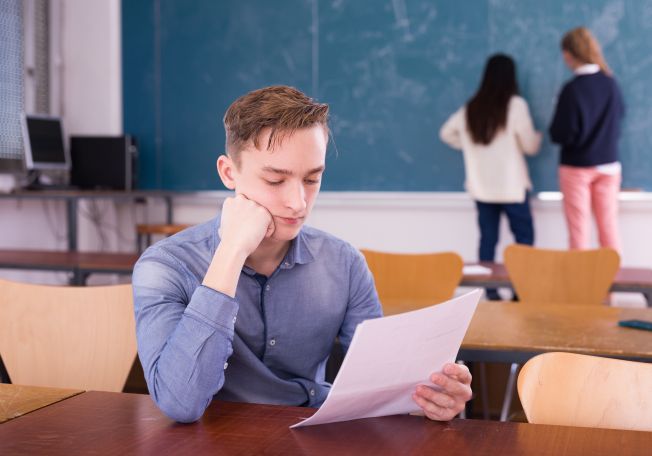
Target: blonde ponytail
(582,45)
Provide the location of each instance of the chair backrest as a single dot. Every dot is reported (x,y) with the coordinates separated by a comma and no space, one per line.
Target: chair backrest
(145,231)
(579,390)
(411,281)
(561,276)
(67,337)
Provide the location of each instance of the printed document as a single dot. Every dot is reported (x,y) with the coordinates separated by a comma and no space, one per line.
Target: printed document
(390,356)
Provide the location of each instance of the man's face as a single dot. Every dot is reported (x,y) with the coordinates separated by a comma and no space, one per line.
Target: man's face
(285,180)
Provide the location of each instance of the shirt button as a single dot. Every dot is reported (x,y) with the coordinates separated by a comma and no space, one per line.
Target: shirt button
(234,319)
(287,264)
(272,342)
(226,365)
(267,288)
(312,392)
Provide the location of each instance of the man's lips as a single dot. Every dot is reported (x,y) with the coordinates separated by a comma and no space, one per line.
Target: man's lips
(290,220)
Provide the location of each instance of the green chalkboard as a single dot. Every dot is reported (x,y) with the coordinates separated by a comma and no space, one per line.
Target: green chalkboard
(391,70)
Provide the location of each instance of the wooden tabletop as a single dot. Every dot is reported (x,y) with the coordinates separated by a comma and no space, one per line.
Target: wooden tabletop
(515,331)
(17,400)
(63,260)
(115,423)
(626,277)
(113,261)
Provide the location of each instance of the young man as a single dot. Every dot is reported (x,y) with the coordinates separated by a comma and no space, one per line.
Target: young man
(246,307)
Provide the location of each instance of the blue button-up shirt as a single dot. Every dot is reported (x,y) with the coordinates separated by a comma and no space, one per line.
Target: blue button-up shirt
(269,344)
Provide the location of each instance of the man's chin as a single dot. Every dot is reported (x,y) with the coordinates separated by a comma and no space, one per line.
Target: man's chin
(286,233)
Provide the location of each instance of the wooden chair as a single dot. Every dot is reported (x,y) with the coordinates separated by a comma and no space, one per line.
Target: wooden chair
(407,282)
(542,276)
(578,390)
(147,230)
(561,276)
(410,281)
(67,337)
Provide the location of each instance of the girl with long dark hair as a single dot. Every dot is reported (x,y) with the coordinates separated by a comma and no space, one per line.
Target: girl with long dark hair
(494,130)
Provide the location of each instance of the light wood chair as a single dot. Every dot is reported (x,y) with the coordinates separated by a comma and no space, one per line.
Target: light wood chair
(67,337)
(411,281)
(145,231)
(561,276)
(408,282)
(570,277)
(578,390)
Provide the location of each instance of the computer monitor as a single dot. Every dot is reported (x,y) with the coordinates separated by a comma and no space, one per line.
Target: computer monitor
(45,148)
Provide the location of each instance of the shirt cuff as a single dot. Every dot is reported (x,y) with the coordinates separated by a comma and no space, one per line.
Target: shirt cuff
(213,307)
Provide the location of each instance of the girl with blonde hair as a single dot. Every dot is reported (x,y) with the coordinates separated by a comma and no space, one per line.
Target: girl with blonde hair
(586,125)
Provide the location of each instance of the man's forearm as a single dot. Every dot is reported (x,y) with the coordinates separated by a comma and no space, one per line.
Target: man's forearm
(224,271)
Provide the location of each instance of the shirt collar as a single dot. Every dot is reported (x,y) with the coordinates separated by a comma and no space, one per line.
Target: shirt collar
(300,251)
(588,68)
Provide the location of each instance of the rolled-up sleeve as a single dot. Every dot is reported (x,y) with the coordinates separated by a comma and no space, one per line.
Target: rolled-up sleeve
(185,335)
(450,132)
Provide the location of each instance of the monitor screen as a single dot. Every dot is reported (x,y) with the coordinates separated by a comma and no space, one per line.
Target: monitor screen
(44,143)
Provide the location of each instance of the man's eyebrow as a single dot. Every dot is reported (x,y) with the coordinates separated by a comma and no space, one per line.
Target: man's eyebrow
(271,169)
(287,172)
(316,170)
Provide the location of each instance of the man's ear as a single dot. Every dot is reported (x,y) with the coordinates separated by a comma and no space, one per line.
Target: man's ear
(226,169)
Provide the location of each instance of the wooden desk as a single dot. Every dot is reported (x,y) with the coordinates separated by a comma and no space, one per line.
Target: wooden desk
(113,423)
(81,264)
(637,280)
(513,332)
(17,400)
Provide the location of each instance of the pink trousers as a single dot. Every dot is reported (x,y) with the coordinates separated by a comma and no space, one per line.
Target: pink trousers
(587,189)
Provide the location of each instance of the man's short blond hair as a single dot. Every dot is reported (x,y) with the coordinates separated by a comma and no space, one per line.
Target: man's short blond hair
(282,109)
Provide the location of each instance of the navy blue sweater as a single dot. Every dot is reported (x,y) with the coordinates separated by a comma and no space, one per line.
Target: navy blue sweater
(587,120)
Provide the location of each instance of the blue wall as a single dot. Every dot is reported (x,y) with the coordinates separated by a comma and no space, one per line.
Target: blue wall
(392,72)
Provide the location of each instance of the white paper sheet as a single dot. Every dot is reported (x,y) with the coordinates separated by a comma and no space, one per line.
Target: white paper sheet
(390,356)
(475,269)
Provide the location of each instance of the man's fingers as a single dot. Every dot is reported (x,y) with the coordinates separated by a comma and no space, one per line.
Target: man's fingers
(438,398)
(452,392)
(432,409)
(270,228)
(452,387)
(459,372)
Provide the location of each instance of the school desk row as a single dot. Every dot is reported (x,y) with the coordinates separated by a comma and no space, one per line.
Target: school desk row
(82,264)
(119,423)
(513,332)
